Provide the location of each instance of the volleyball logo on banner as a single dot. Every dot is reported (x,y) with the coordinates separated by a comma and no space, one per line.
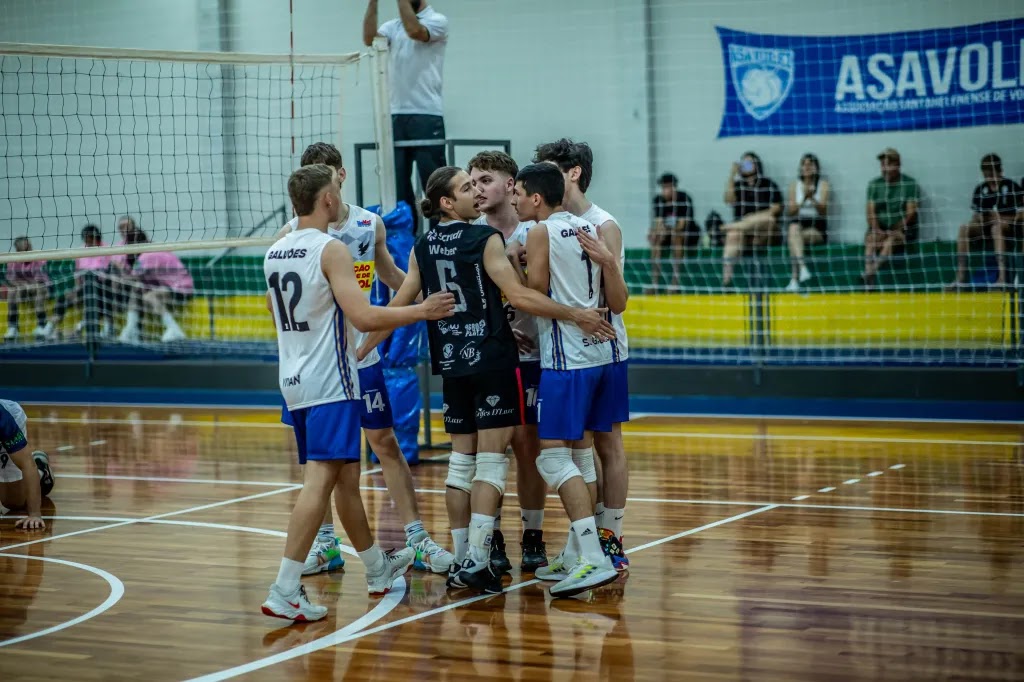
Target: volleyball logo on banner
(762,78)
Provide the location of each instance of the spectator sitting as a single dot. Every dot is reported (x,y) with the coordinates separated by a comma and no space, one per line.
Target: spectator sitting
(27,282)
(757,204)
(808,205)
(997,204)
(96,267)
(157,278)
(892,214)
(673,226)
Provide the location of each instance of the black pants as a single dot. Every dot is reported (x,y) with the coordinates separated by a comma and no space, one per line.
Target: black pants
(427,158)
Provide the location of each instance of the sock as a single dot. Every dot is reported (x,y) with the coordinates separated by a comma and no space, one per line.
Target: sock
(599,510)
(414,532)
(533,519)
(288,575)
(481,532)
(585,532)
(373,558)
(460,543)
(131,319)
(326,533)
(169,321)
(613,521)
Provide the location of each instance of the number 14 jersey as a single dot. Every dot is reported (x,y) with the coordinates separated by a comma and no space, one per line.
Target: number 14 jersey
(317,362)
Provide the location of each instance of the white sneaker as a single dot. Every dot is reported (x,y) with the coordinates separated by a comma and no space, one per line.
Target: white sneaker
(557,569)
(395,565)
(793,286)
(172,334)
(104,329)
(43,332)
(323,557)
(805,274)
(12,333)
(432,557)
(129,335)
(585,575)
(295,606)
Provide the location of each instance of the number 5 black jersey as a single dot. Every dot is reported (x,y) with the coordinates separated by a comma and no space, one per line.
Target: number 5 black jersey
(317,362)
(478,337)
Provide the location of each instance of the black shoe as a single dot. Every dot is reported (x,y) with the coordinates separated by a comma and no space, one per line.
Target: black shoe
(499,559)
(535,552)
(482,577)
(46,476)
(453,582)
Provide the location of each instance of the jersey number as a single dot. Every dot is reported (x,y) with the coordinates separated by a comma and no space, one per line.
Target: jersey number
(590,272)
(375,402)
(279,284)
(446,268)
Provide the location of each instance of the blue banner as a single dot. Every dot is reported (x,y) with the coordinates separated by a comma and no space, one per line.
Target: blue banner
(941,78)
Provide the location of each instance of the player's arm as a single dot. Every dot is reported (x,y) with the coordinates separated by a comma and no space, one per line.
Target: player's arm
(405,295)
(532,301)
(370,23)
(337,266)
(411,23)
(603,251)
(387,270)
(33,491)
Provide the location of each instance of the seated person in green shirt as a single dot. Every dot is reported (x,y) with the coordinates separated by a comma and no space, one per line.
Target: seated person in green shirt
(892,214)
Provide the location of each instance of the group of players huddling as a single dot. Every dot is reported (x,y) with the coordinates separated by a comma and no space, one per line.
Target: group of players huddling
(520,280)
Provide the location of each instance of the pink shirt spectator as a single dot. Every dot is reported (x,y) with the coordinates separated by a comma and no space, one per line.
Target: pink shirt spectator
(92,263)
(33,272)
(163,269)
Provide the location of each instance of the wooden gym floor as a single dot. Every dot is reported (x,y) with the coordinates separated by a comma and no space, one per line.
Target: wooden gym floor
(760,551)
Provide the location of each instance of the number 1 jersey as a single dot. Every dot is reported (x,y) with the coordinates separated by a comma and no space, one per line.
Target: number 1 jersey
(317,362)
(478,337)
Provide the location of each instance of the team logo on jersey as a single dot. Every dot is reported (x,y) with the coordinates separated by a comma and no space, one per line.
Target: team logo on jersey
(364,223)
(493,400)
(448,350)
(762,78)
(444,409)
(476,328)
(364,247)
(448,328)
(468,353)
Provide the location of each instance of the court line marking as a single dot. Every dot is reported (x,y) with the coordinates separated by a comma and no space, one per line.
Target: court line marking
(626,432)
(116,592)
(338,638)
(851,481)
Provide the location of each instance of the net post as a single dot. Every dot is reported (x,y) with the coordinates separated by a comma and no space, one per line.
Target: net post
(382,122)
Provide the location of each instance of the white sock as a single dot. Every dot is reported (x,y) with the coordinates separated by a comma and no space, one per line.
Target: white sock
(373,558)
(533,519)
(599,510)
(170,322)
(132,319)
(289,575)
(481,531)
(414,531)
(326,533)
(585,531)
(460,543)
(613,521)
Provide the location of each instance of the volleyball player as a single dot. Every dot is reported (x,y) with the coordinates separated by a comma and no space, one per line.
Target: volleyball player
(25,477)
(316,301)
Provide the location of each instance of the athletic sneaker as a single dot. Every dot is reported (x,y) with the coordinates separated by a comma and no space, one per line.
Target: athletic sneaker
(557,569)
(535,552)
(323,556)
(295,606)
(499,559)
(173,334)
(395,565)
(12,333)
(585,575)
(431,556)
(612,547)
(453,582)
(43,331)
(45,475)
(482,577)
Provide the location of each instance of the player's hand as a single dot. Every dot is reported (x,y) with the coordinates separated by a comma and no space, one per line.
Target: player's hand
(596,249)
(592,321)
(524,342)
(439,306)
(30,522)
(516,252)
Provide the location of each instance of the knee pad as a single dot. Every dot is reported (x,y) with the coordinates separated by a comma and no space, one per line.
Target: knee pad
(492,468)
(583,458)
(461,469)
(556,467)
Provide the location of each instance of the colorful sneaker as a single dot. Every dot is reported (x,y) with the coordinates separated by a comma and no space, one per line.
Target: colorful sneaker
(535,552)
(395,565)
(557,569)
(323,556)
(45,475)
(431,556)
(585,575)
(499,559)
(295,606)
(482,577)
(612,547)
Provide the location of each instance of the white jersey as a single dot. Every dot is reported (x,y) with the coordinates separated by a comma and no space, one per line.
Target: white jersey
(575,281)
(314,341)
(524,323)
(16,429)
(596,215)
(359,234)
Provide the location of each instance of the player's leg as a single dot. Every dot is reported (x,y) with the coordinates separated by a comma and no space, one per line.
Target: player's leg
(156,300)
(39,296)
(13,316)
(460,424)
(131,332)
(532,494)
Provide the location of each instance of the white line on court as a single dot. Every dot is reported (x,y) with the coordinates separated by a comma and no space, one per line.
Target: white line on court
(98,442)
(65,448)
(116,592)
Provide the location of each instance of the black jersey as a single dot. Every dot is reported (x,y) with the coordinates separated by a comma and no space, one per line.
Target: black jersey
(478,337)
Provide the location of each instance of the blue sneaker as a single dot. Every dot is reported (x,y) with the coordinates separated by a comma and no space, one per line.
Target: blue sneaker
(612,547)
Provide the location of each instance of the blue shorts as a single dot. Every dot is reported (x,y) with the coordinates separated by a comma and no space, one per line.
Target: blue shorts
(376,403)
(328,432)
(529,373)
(618,375)
(12,428)
(577,400)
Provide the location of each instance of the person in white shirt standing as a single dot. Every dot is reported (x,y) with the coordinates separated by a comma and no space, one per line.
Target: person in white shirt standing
(315,298)
(417,41)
